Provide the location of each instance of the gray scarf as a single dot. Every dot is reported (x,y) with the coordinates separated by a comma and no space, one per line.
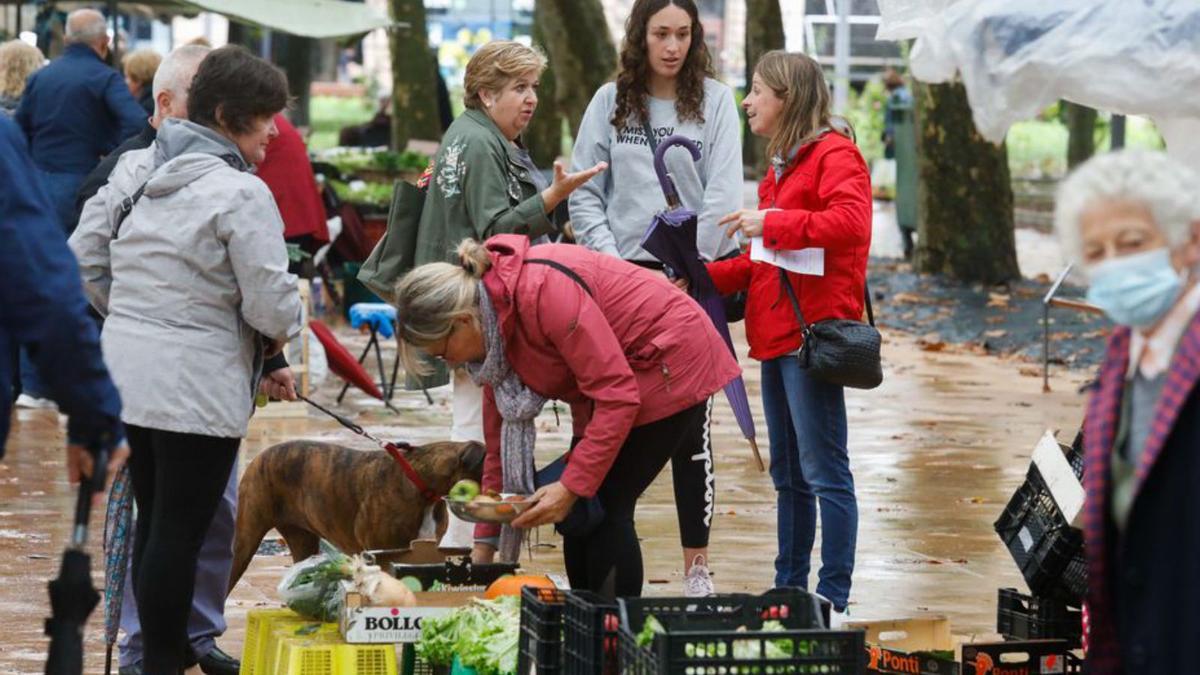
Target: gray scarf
(518,407)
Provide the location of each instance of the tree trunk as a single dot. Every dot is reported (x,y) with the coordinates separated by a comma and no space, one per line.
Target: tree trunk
(580,51)
(1081,125)
(296,55)
(414,78)
(543,137)
(965,211)
(764,32)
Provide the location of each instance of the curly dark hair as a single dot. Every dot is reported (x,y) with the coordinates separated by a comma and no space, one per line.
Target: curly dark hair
(635,66)
(241,85)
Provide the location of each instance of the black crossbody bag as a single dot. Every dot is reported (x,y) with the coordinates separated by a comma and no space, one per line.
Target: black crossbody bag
(587,513)
(839,351)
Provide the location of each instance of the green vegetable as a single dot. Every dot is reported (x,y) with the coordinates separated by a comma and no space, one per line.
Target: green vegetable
(311,586)
(650,628)
(483,634)
(372,194)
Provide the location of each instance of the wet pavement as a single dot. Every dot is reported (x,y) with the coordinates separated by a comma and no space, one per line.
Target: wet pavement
(936,451)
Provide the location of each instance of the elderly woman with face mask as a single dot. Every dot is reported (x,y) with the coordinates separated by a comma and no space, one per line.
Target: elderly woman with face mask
(1133,220)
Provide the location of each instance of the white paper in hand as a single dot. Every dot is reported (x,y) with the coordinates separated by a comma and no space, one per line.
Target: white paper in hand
(809,261)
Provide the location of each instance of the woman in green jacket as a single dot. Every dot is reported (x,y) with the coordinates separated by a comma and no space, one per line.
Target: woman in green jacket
(484,183)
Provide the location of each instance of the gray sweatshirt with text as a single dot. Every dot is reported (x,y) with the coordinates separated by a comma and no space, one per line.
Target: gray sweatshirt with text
(611,212)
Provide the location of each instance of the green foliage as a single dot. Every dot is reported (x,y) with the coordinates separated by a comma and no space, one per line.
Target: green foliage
(1038,148)
(368,194)
(865,112)
(329,114)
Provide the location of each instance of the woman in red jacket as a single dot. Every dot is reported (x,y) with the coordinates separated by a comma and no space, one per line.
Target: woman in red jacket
(635,359)
(817,194)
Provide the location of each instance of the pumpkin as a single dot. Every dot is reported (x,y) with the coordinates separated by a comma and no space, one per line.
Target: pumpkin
(511,584)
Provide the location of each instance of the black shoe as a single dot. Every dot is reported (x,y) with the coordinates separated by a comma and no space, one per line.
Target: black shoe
(134,669)
(217,662)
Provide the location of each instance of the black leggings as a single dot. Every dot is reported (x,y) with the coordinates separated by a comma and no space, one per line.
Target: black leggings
(609,559)
(178,481)
(693,475)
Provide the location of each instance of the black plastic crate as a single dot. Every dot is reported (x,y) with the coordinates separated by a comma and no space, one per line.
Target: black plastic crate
(541,641)
(722,634)
(453,572)
(590,642)
(1027,617)
(1046,548)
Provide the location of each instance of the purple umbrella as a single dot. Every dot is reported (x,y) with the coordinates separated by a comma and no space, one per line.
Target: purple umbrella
(671,238)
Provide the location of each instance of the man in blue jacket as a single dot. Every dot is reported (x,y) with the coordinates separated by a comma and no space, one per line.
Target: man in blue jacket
(42,308)
(76,110)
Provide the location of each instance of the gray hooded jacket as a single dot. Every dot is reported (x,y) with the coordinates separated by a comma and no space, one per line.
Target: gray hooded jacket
(196,275)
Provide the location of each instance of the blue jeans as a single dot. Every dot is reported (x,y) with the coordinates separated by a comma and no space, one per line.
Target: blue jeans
(31,383)
(62,189)
(806,425)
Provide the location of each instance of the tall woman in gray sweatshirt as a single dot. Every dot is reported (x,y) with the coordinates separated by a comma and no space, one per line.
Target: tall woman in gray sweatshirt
(664,81)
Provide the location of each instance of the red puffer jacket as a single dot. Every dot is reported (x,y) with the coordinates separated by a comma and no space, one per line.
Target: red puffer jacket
(824,201)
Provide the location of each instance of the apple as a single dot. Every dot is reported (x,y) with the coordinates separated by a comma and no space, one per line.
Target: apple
(464,490)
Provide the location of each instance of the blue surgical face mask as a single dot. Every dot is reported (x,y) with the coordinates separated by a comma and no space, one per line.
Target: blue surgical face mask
(1136,290)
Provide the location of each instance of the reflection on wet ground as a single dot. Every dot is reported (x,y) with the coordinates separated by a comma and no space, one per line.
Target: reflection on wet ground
(936,452)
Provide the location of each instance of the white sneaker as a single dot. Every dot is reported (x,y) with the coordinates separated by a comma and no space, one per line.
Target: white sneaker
(698,581)
(27,401)
(838,619)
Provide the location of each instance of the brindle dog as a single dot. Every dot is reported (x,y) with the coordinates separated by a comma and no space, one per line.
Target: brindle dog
(356,500)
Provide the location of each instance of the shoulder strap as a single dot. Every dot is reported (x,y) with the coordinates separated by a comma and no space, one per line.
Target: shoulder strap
(564,269)
(126,207)
(791,293)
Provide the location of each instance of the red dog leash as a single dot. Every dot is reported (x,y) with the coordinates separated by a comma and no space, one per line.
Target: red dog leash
(393,449)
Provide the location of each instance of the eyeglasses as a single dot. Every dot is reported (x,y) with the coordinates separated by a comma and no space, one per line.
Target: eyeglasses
(441,353)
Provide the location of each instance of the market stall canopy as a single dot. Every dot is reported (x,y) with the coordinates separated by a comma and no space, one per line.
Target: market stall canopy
(306,18)
(1016,57)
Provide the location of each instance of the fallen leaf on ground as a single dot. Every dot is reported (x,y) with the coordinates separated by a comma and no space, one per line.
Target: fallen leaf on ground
(998,300)
(996,333)
(1031,371)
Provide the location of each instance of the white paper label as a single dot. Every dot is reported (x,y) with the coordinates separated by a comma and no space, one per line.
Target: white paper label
(809,261)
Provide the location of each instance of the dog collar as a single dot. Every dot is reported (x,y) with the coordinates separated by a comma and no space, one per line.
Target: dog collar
(415,478)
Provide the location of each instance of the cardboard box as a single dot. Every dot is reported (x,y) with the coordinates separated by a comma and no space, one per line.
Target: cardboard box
(907,646)
(1028,657)
(1060,478)
(360,624)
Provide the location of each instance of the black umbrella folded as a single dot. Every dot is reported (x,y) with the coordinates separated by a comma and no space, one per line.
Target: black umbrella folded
(72,595)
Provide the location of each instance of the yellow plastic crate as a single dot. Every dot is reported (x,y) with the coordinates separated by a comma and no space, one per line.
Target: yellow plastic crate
(287,631)
(262,626)
(307,656)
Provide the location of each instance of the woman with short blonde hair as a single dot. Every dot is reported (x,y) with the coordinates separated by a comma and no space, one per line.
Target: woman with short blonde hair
(18,60)
(483,182)
(140,67)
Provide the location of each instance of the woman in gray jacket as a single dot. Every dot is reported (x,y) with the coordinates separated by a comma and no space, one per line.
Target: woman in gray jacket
(183,252)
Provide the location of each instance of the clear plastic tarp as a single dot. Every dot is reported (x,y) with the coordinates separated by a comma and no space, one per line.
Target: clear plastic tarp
(1016,57)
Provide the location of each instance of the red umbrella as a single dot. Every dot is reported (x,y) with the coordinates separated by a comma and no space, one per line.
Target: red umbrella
(342,363)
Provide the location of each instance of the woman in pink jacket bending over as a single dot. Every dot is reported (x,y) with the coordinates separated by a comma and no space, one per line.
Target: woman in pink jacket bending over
(634,357)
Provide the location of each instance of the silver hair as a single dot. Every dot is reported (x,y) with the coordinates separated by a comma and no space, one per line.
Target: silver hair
(1166,186)
(85,26)
(176,71)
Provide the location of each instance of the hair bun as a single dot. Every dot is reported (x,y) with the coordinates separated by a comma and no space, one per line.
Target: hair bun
(474,258)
